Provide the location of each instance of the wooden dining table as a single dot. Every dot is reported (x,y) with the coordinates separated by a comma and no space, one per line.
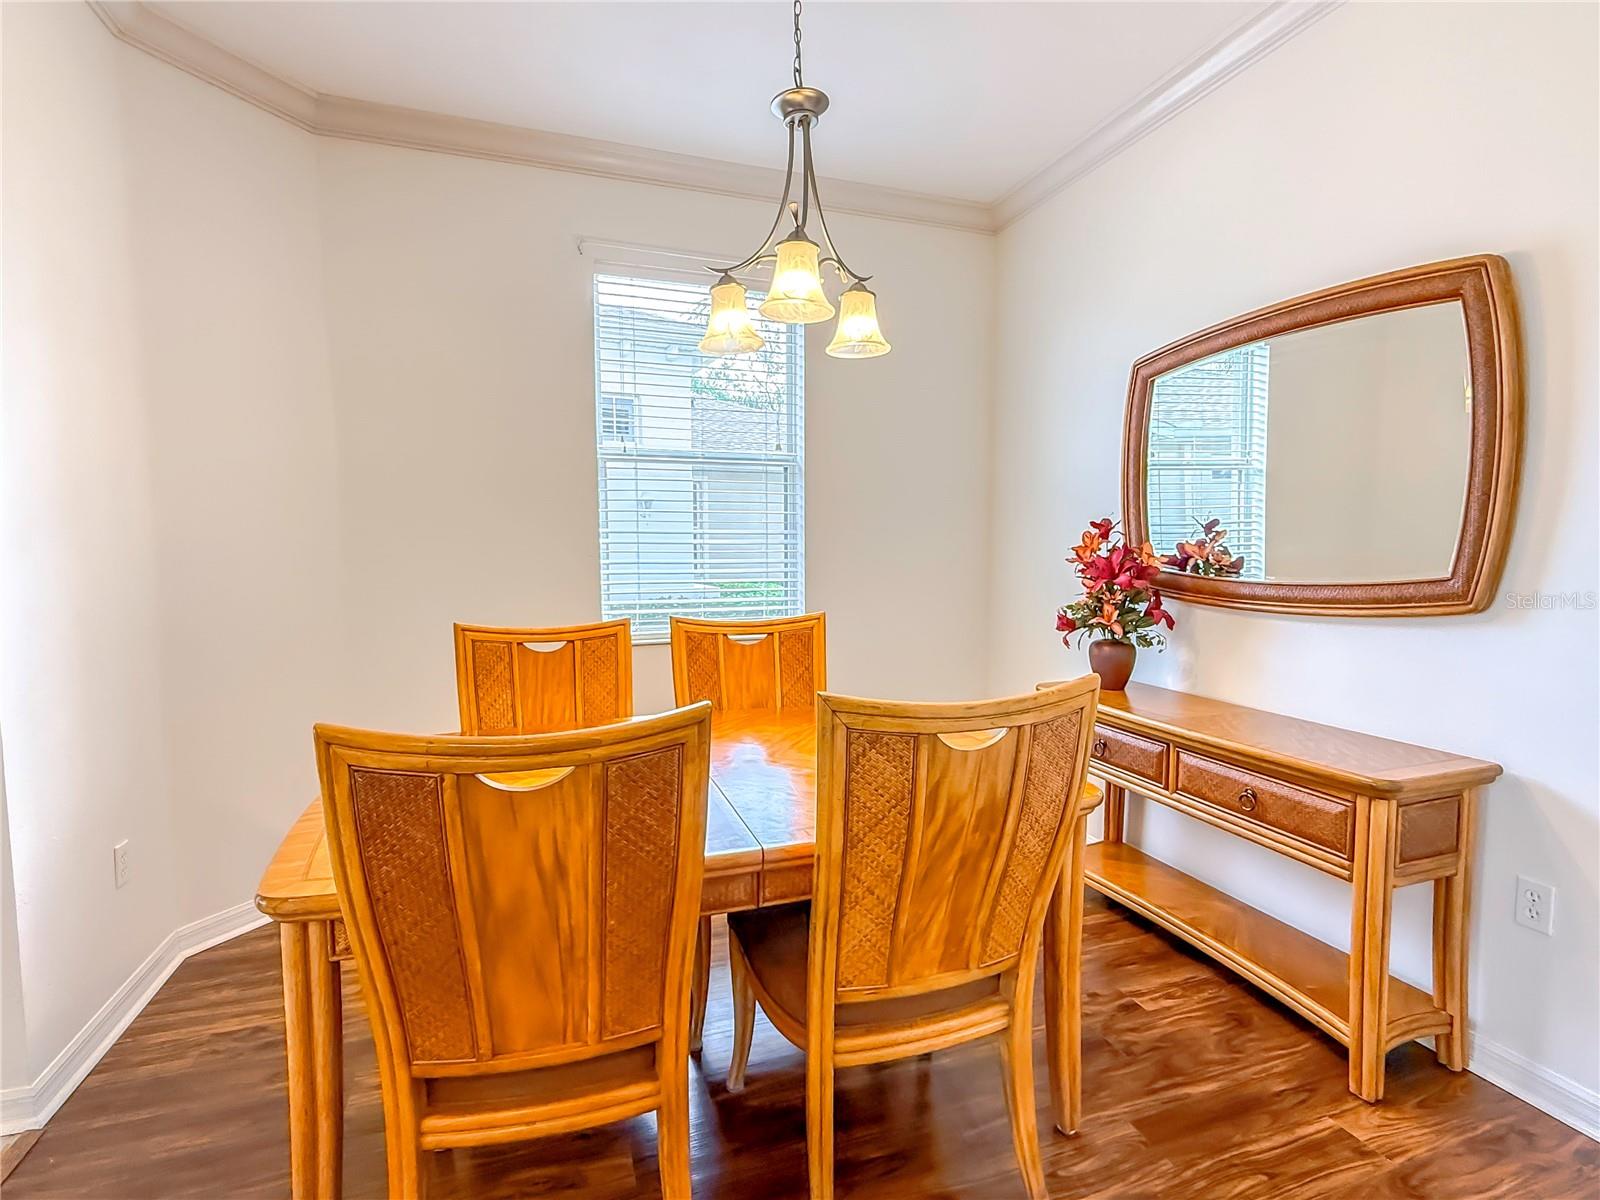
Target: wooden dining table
(760,841)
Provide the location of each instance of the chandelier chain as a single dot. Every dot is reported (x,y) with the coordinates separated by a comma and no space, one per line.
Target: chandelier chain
(798,82)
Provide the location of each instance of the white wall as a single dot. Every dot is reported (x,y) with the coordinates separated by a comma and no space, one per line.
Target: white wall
(170,592)
(1385,135)
(80,693)
(1368,436)
(13,1008)
(242,434)
(461,325)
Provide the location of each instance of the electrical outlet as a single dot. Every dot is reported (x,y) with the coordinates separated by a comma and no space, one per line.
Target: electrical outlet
(1535,904)
(119,861)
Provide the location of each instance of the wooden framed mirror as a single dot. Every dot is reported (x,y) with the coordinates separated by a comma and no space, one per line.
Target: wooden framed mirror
(1353,452)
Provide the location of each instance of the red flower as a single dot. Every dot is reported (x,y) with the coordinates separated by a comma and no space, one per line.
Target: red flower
(1064,623)
(1156,613)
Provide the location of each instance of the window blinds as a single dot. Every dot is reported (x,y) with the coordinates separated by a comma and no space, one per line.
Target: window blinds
(1208,454)
(702,496)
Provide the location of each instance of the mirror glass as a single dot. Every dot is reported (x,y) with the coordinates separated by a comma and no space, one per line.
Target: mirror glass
(1337,454)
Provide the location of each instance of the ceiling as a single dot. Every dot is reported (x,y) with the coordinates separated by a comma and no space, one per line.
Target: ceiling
(964,100)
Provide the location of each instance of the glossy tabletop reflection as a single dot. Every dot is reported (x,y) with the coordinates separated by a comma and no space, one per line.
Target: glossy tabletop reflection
(764,767)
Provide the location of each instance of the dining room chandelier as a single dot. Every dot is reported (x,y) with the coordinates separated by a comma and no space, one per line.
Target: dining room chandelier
(796,295)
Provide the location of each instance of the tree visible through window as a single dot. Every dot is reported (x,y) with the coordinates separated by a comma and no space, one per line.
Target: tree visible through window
(701,462)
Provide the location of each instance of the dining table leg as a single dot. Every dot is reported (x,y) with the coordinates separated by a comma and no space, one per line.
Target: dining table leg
(313,1030)
(1063,988)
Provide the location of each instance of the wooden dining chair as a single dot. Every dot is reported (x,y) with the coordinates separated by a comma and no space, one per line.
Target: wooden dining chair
(539,680)
(777,663)
(941,832)
(522,912)
(780,663)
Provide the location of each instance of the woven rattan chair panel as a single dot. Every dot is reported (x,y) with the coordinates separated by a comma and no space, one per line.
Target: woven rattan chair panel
(641,822)
(399,819)
(880,777)
(1052,766)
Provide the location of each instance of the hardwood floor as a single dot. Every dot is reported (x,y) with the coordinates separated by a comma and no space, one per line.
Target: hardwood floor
(1195,1086)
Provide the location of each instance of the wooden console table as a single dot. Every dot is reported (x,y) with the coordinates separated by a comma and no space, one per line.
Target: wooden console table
(1380,814)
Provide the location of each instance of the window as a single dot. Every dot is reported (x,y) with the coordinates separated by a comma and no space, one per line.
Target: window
(616,419)
(1208,453)
(702,496)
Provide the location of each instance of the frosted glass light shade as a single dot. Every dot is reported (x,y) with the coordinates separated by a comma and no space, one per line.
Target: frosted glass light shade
(729,329)
(858,335)
(796,297)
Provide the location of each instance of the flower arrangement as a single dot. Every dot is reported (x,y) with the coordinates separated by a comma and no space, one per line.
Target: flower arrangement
(1119,601)
(1208,554)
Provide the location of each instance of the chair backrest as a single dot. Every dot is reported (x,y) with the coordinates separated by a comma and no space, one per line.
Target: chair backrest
(941,830)
(539,680)
(514,902)
(778,663)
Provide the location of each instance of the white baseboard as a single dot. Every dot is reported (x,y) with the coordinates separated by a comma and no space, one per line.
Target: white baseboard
(31,1106)
(1564,1099)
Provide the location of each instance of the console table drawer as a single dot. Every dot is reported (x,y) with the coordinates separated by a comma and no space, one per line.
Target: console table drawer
(1132,753)
(1251,799)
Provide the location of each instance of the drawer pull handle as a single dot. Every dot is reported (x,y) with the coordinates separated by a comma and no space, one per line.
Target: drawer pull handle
(1247,799)
(1099,748)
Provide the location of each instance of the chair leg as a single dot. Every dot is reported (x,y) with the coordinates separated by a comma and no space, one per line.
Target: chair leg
(700,985)
(1016,1057)
(408,1165)
(819,1119)
(672,1137)
(744,1013)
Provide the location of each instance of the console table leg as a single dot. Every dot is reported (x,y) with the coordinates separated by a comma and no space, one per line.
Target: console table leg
(1452,901)
(1373,907)
(1113,813)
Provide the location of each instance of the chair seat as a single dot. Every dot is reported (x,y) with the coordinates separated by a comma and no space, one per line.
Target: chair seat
(775,942)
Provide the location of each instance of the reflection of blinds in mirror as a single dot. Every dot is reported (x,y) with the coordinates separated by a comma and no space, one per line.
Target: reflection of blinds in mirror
(1208,453)
(701,461)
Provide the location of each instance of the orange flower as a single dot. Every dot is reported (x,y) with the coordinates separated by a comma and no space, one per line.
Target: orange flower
(1089,547)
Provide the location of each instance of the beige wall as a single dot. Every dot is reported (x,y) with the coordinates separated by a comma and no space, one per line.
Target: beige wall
(1383,136)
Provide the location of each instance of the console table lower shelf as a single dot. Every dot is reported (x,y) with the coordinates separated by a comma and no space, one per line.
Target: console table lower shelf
(1308,975)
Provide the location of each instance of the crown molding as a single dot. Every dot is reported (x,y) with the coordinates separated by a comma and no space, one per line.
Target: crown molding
(155,33)
(363,121)
(145,28)
(1245,44)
